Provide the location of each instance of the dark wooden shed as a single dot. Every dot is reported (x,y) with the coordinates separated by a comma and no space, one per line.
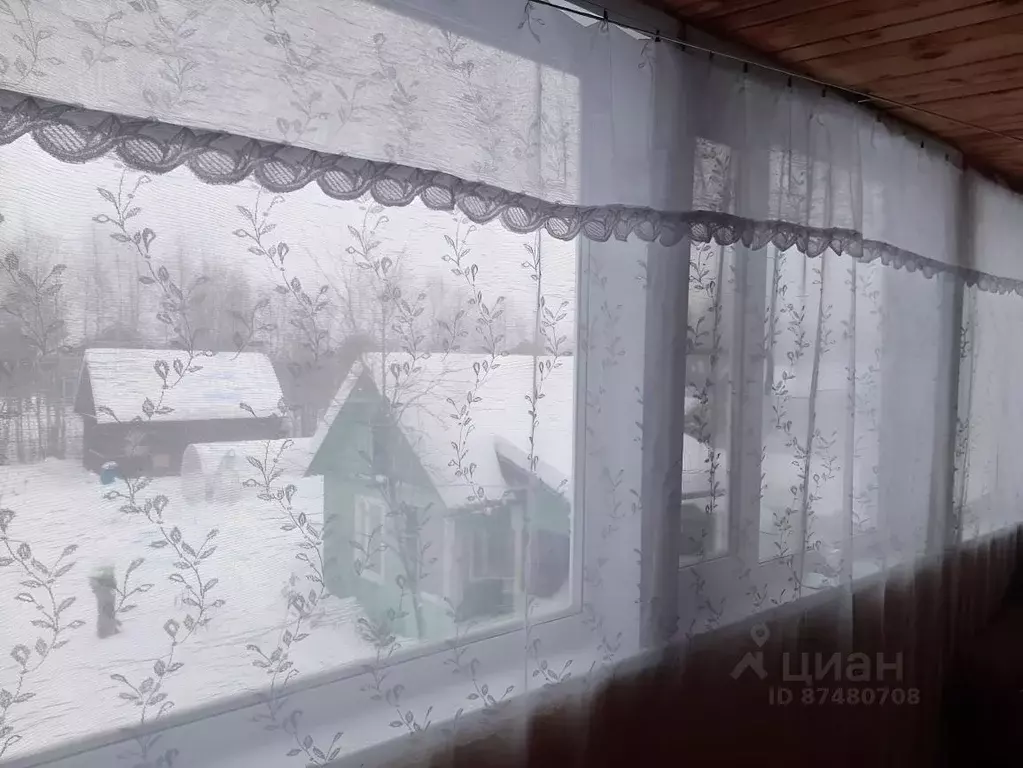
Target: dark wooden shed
(142,407)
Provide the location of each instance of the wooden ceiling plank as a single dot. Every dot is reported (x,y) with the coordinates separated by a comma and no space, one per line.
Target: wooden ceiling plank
(708,9)
(990,92)
(905,57)
(915,47)
(833,22)
(1004,124)
(889,30)
(961,60)
(978,108)
(779,12)
(732,15)
(957,133)
(990,75)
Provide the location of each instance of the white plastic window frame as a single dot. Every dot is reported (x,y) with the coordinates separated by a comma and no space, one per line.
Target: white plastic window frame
(223,732)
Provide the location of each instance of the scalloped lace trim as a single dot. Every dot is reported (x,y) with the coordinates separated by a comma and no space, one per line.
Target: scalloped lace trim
(76,135)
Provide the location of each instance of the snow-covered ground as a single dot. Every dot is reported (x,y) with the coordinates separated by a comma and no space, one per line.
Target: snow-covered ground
(57,504)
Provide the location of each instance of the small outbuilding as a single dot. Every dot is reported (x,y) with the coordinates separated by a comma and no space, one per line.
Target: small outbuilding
(141,408)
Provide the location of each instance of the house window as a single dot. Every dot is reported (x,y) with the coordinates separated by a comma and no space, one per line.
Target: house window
(491,552)
(368,539)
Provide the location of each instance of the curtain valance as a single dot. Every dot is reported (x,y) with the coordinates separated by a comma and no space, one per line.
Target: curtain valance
(518,97)
(77,135)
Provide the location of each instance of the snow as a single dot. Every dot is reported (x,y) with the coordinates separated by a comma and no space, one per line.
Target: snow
(501,423)
(57,503)
(426,415)
(122,379)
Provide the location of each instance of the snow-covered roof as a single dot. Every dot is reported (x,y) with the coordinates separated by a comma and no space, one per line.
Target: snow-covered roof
(429,401)
(291,455)
(123,379)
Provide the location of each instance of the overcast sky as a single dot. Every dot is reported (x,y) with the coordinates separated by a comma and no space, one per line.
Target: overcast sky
(49,207)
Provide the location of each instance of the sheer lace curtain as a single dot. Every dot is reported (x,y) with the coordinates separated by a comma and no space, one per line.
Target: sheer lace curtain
(344,383)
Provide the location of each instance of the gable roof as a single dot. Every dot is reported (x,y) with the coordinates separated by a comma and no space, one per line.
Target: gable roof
(500,417)
(122,379)
(501,425)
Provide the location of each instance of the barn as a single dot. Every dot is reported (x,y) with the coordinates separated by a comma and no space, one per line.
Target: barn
(141,408)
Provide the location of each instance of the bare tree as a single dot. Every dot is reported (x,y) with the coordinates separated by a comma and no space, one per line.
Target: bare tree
(34,303)
(34,300)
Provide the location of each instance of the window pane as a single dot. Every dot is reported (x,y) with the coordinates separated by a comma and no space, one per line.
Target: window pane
(257,437)
(709,364)
(990,414)
(821,404)
(833,327)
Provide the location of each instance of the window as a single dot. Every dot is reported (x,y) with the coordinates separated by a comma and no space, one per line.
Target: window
(212,313)
(369,536)
(314,555)
(710,347)
(821,405)
(492,552)
(796,382)
(989,414)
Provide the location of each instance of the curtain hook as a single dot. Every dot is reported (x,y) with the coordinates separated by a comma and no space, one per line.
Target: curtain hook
(824,93)
(657,35)
(790,81)
(745,67)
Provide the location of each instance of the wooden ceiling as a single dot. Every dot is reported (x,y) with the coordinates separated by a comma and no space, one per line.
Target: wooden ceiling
(957,59)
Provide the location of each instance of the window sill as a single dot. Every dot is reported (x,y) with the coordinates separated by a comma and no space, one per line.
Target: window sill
(228,732)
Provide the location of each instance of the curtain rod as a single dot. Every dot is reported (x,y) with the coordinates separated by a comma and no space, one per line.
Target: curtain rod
(861,96)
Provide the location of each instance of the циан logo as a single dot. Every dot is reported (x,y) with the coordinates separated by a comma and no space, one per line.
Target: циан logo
(754,660)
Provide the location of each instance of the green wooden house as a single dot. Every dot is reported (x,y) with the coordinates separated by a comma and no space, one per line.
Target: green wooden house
(433,515)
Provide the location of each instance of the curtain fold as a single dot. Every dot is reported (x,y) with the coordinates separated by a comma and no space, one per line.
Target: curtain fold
(377,368)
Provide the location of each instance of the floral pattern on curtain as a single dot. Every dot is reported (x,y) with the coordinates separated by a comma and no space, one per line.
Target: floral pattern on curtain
(302,437)
(338,377)
(803,381)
